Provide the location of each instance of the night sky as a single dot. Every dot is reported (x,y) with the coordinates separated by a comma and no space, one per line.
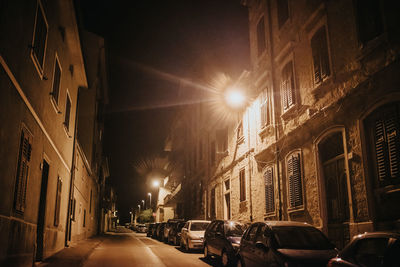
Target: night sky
(151,47)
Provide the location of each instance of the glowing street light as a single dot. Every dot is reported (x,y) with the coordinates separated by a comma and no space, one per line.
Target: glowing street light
(156,183)
(149,194)
(143,203)
(234,97)
(139,208)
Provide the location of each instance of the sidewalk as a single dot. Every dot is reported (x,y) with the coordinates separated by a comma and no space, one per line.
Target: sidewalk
(74,255)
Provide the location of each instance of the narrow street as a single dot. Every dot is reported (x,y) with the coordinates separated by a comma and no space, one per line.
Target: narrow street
(134,249)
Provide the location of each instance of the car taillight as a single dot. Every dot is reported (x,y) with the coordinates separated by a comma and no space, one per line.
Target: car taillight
(335,263)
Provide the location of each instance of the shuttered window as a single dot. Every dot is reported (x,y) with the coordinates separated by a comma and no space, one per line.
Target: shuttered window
(294,180)
(287,86)
(319,46)
(39,37)
(67,112)
(283,11)
(261,46)
(269,190)
(242,181)
(58,202)
(264,109)
(387,144)
(24,158)
(369,19)
(56,81)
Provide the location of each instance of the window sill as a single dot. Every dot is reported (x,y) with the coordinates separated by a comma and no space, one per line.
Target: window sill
(295,210)
(266,130)
(240,140)
(54,104)
(66,130)
(323,87)
(289,113)
(371,45)
(38,68)
(270,214)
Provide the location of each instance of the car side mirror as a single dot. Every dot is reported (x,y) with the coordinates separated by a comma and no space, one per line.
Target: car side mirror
(260,245)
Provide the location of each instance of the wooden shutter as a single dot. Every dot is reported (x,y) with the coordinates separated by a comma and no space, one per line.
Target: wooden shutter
(288,86)
(319,46)
(67,112)
(23,171)
(39,42)
(242,180)
(295,183)
(264,109)
(269,190)
(56,81)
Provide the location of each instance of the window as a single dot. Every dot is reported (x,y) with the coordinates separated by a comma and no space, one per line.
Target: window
(74,209)
(56,81)
(384,129)
(39,38)
(58,202)
(242,181)
(287,86)
(84,218)
(90,201)
(261,46)
(264,109)
(319,46)
(222,140)
(294,180)
(283,11)
(369,19)
(269,190)
(240,131)
(67,112)
(25,150)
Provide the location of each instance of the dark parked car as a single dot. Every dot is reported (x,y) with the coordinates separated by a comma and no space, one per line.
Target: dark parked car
(174,235)
(160,231)
(282,243)
(154,230)
(150,229)
(222,239)
(378,249)
(167,228)
(141,228)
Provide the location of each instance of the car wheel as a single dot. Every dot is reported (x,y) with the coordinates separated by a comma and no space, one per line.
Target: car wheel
(206,253)
(225,259)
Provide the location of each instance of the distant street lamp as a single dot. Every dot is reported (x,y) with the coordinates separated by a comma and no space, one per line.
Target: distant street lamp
(143,204)
(149,194)
(131,213)
(139,208)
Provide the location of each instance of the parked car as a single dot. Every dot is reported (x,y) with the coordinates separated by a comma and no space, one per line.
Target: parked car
(283,243)
(160,231)
(150,229)
(222,239)
(141,228)
(154,230)
(168,227)
(192,234)
(377,249)
(174,235)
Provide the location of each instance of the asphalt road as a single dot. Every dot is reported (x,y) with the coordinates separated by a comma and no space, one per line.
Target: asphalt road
(134,249)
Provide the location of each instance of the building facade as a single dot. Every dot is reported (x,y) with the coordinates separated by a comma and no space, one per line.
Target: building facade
(318,139)
(42,71)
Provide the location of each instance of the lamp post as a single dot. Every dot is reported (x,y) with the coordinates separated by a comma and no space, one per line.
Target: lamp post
(149,194)
(139,208)
(131,213)
(143,204)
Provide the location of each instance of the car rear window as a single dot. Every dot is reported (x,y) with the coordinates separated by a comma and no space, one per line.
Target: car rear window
(198,226)
(293,237)
(234,229)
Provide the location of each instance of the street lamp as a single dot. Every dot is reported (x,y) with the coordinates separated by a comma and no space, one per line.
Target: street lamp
(143,204)
(139,208)
(234,97)
(156,183)
(149,194)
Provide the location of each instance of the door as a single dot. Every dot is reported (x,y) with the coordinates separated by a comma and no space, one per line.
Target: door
(42,212)
(335,180)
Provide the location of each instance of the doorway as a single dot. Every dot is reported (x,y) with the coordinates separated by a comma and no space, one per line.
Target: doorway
(42,212)
(331,155)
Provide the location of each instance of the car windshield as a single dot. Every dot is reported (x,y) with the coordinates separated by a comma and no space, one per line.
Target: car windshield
(292,237)
(234,229)
(198,226)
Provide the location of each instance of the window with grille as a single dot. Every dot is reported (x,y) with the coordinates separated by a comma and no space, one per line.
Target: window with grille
(294,176)
(264,109)
(261,45)
(269,190)
(287,86)
(369,19)
(222,140)
(39,37)
(67,112)
(384,128)
(319,46)
(58,202)
(283,11)
(56,81)
(25,151)
(242,181)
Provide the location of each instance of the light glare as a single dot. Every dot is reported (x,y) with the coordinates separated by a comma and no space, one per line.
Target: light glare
(234,98)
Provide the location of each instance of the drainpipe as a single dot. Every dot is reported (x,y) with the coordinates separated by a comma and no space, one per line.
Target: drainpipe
(275,124)
(71,184)
(250,168)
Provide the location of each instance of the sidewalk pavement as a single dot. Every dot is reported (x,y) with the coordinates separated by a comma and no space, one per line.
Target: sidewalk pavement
(77,253)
